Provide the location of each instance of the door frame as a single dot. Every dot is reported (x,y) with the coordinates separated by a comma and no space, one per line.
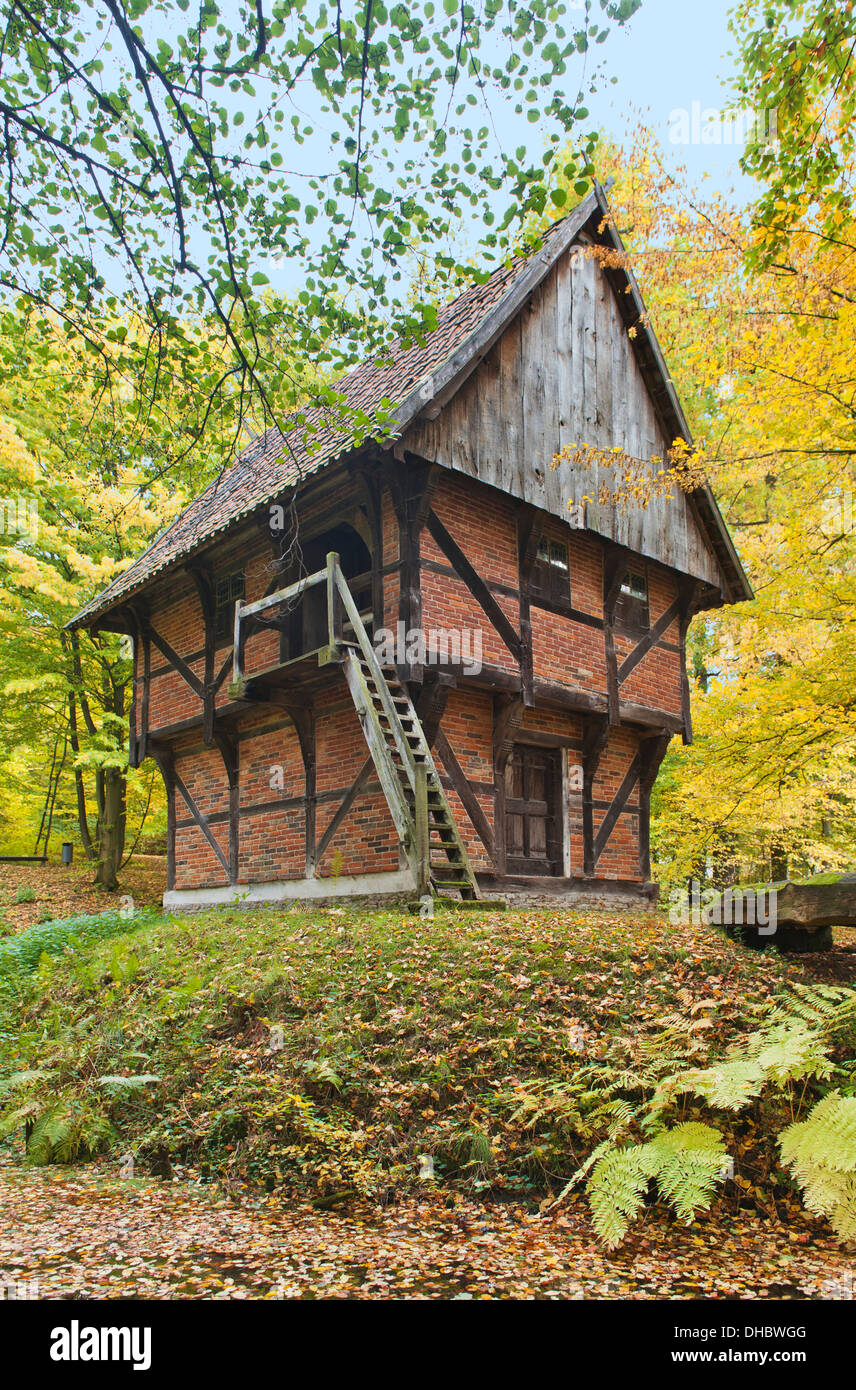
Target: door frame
(554,863)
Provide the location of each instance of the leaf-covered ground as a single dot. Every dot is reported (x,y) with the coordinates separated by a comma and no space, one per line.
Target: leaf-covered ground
(33,892)
(280,1078)
(88,1235)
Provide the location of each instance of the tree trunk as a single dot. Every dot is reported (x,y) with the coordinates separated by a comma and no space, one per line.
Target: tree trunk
(80,789)
(111,827)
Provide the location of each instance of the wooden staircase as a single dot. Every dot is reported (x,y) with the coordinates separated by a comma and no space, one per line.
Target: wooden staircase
(396,740)
(405,768)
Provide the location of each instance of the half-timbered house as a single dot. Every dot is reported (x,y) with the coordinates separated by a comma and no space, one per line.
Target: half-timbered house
(460,685)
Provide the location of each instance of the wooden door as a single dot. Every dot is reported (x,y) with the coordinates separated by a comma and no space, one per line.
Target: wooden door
(533,840)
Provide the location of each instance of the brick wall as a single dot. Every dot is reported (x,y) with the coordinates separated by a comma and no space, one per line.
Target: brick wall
(272,836)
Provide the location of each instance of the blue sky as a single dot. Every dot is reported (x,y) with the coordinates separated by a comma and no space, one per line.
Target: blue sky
(671,56)
(672,53)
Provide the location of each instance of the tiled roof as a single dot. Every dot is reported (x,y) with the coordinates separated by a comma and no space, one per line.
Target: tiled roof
(274,460)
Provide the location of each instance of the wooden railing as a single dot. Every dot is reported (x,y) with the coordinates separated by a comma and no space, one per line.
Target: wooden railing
(406,772)
(340,594)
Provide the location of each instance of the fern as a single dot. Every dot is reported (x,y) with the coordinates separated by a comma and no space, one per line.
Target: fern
(124,1087)
(821,1154)
(825,1007)
(617,1189)
(725,1085)
(793,1044)
(692,1160)
(65,1132)
(686,1161)
(22,1078)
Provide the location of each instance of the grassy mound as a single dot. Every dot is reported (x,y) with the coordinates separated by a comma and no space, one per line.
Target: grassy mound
(323,1051)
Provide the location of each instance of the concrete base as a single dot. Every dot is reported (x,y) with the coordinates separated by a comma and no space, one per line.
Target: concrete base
(290,890)
(513,891)
(524,891)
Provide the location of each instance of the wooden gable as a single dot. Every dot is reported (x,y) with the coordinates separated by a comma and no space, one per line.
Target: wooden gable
(565,371)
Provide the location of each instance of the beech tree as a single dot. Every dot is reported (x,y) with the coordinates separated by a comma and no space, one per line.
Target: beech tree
(159,160)
(161,165)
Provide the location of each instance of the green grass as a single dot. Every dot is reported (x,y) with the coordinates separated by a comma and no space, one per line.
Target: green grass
(22,953)
(321,1051)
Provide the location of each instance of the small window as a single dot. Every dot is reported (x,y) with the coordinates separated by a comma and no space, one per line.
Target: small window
(229,588)
(551,573)
(631,608)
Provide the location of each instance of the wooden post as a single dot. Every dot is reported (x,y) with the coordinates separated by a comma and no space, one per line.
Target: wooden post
(229,753)
(238,646)
(528,538)
(334,611)
(421,825)
(303,720)
(688,600)
(374,511)
(166,762)
(143,735)
(595,737)
(412,501)
(614,567)
(653,750)
(205,590)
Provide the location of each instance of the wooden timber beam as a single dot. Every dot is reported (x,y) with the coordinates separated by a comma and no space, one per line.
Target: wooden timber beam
(138,733)
(476,585)
(176,662)
(652,752)
(615,559)
(304,723)
(359,783)
(651,638)
(204,583)
(529,529)
(466,795)
(411,488)
(166,762)
(617,805)
(690,598)
(595,738)
(507,714)
(284,544)
(200,820)
(370,485)
(431,702)
(229,752)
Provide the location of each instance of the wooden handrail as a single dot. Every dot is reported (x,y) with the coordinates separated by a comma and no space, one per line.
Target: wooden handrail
(370,656)
(249,610)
